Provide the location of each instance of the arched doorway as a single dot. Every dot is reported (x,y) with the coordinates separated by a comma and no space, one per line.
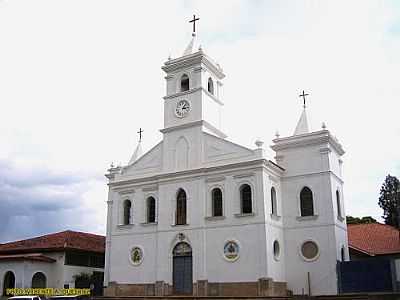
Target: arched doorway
(39,280)
(182,268)
(8,282)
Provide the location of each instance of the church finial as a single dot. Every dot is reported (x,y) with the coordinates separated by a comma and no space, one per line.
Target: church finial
(140,134)
(194,24)
(304,98)
(302,125)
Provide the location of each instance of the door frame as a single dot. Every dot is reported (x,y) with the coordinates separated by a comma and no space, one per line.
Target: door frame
(176,252)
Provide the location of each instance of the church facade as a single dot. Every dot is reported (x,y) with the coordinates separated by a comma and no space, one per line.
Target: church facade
(200,215)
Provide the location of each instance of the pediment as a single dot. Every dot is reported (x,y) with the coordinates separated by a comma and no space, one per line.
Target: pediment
(217,149)
(149,162)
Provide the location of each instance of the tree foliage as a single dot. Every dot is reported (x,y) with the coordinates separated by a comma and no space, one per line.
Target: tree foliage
(357,220)
(389,200)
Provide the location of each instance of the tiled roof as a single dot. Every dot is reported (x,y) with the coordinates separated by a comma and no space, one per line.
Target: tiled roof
(28,256)
(60,241)
(374,238)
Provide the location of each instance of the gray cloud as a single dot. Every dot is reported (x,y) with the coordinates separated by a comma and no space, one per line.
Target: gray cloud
(35,201)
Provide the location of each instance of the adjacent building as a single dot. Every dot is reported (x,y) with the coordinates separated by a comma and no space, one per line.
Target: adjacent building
(52,260)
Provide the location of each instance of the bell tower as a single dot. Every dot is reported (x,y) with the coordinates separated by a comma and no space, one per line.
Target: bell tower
(192,106)
(194,91)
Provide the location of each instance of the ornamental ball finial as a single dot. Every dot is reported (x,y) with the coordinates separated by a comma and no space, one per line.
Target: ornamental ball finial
(323,126)
(277,135)
(259,143)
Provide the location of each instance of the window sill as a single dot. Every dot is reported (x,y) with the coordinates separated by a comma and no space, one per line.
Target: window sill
(125,226)
(307,218)
(214,218)
(179,225)
(275,217)
(340,218)
(149,224)
(241,215)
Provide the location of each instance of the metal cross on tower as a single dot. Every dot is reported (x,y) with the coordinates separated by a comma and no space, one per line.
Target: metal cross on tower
(140,134)
(194,23)
(304,98)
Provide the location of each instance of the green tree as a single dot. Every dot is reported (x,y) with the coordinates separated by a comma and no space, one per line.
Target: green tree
(389,200)
(357,220)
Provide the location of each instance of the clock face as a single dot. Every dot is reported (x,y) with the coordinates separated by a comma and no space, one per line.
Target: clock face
(182,108)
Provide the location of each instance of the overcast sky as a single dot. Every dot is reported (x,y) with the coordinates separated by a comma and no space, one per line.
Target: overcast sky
(79,77)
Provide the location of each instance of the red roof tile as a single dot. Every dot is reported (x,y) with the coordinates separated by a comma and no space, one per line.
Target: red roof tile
(374,238)
(60,241)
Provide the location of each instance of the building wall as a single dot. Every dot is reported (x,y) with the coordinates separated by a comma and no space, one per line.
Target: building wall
(205,234)
(24,271)
(310,165)
(57,274)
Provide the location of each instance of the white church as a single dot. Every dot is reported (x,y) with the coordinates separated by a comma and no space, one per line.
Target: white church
(200,215)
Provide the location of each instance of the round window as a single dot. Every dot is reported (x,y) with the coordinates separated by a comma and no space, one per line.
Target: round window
(231,250)
(277,250)
(136,256)
(310,250)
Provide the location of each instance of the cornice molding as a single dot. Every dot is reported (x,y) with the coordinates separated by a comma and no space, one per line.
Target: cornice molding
(150,188)
(191,60)
(193,90)
(207,125)
(180,94)
(314,174)
(244,175)
(313,138)
(183,175)
(215,179)
(183,126)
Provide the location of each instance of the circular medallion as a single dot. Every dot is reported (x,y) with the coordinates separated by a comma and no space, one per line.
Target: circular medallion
(136,256)
(309,250)
(182,108)
(231,250)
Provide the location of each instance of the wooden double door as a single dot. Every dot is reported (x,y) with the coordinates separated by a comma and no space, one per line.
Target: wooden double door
(182,269)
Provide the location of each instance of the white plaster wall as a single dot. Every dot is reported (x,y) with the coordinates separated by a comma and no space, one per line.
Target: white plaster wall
(323,277)
(24,271)
(194,114)
(122,270)
(207,237)
(320,186)
(303,160)
(194,138)
(252,262)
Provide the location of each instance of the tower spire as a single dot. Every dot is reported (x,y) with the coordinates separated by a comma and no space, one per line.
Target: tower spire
(189,48)
(302,124)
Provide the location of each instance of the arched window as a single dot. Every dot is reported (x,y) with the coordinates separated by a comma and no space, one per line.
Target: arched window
(216,198)
(181,208)
(39,280)
(210,85)
(184,83)
(151,210)
(245,199)
(306,202)
(274,210)
(127,212)
(8,282)
(338,206)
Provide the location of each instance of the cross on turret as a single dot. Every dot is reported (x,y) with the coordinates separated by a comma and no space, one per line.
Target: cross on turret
(194,22)
(140,134)
(304,98)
